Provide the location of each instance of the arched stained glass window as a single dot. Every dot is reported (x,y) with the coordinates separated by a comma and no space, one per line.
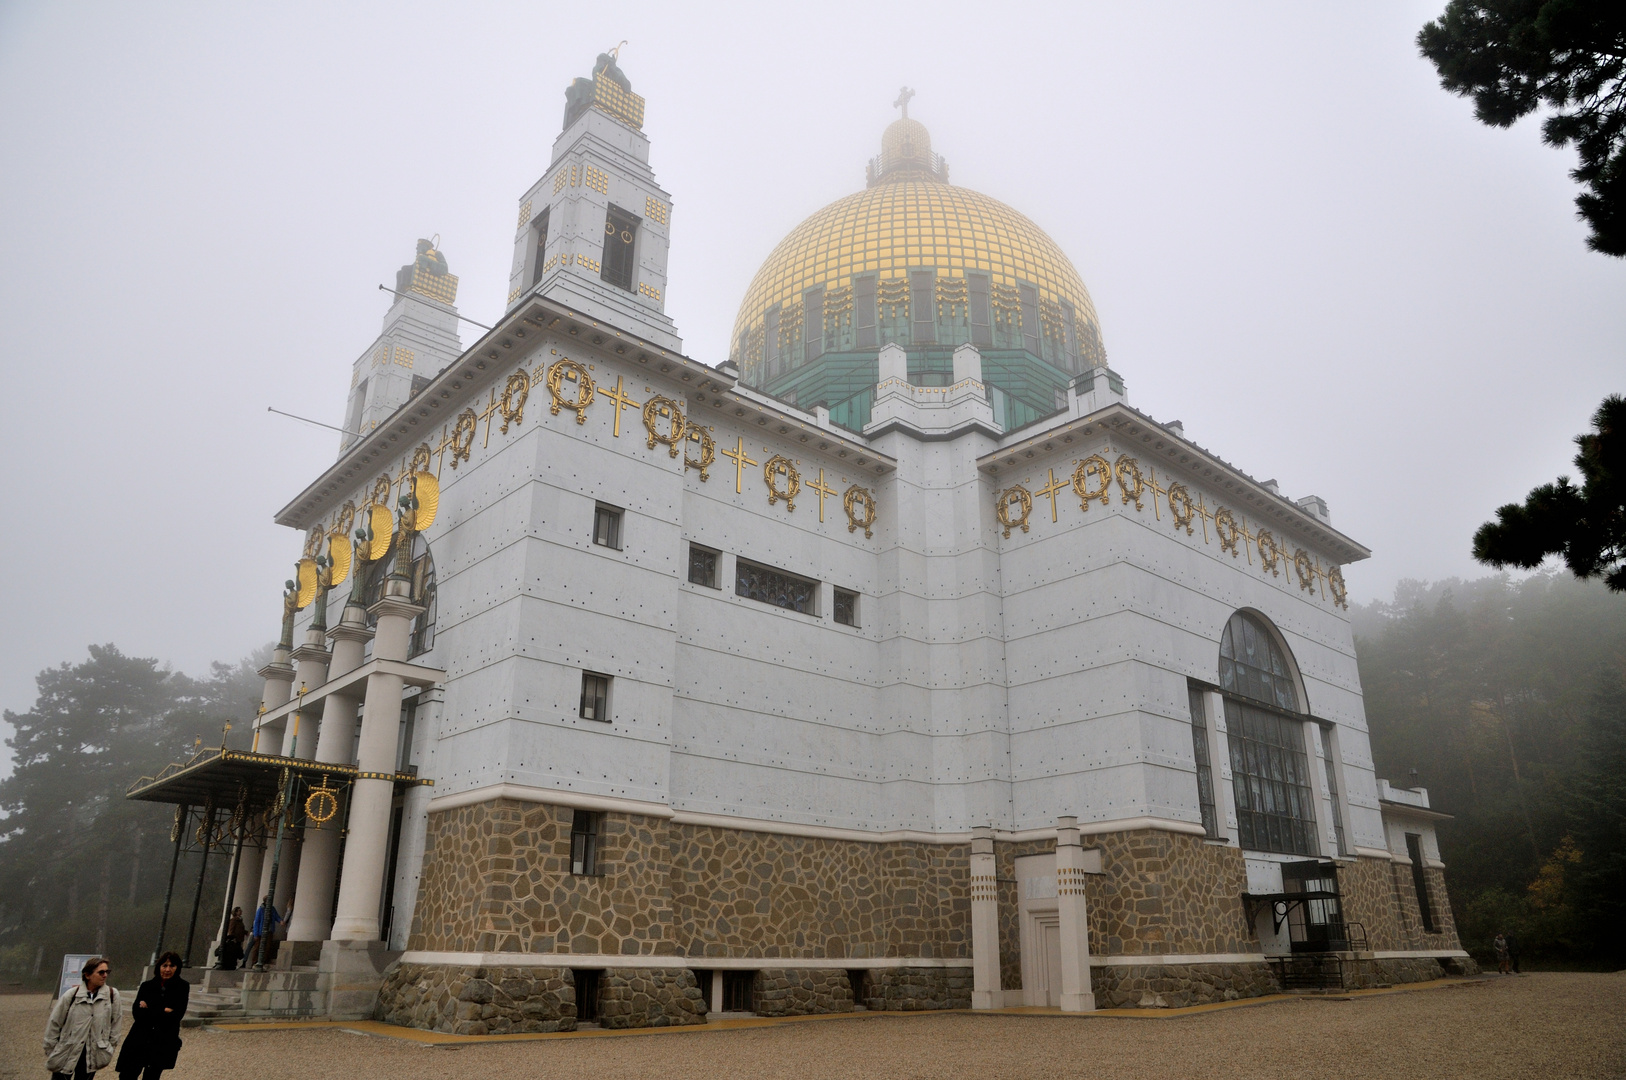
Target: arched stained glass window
(1254,666)
(1270,771)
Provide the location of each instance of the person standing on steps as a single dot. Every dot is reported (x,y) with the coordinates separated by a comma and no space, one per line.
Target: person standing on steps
(155,1028)
(84,1026)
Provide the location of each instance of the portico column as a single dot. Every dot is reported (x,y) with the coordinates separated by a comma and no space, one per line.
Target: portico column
(300,738)
(313,914)
(985,992)
(1076,995)
(279,679)
(361,885)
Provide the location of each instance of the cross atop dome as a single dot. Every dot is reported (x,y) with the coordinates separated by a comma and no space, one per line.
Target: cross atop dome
(904,94)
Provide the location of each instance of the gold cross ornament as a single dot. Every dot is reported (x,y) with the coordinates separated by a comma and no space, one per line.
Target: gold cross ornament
(1050,490)
(623,400)
(819,486)
(740,463)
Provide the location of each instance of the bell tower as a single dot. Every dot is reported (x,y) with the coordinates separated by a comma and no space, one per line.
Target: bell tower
(592,233)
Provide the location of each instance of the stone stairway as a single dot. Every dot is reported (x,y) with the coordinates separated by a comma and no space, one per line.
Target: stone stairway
(222,1006)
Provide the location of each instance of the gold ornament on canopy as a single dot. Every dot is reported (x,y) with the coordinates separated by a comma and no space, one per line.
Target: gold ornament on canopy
(426,489)
(339,554)
(382,525)
(307,578)
(313,542)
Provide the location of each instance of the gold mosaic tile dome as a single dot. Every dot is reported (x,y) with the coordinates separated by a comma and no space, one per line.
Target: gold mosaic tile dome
(911,218)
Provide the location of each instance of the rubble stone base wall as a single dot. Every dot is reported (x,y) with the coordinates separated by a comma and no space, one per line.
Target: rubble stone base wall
(801,992)
(1174,986)
(467,1000)
(649,997)
(912,989)
(1366,974)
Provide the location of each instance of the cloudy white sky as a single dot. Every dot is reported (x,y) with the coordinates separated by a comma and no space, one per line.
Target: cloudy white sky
(1298,245)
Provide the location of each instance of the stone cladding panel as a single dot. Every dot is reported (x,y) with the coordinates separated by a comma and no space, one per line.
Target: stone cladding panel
(801,992)
(1379,895)
(912,989)
(754,894)
(649,997)
(1174,986)
(466,1000)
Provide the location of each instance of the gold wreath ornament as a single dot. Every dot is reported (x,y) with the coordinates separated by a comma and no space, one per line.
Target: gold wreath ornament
(305,575)
(1097,466)
(777,466)
(382,524)
(660,408)
(1305,566)
(421,457)
(313,542)
(694,433)
(1335,582)
(855,498)
(340,554)
(322,803)
(514,394)
(1181,508)
(462,443)
(381,489)
(1228,531)
(1270,551)
(1020,497)
(563,370)
(1133,487)
(426,490)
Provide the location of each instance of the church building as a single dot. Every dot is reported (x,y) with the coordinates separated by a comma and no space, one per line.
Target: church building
(625,687)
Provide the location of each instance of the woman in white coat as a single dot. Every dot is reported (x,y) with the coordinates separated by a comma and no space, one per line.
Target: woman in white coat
(84,1026)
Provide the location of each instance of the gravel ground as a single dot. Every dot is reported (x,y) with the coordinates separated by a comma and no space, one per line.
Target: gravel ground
(1549,1026)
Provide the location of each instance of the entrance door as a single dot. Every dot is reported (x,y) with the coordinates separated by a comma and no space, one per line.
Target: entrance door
(1050,931)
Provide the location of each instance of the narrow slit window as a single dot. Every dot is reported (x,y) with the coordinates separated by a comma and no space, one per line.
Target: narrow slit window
(1332,789)
(539,252)
(1419,880)
(595,697)
(1205,765)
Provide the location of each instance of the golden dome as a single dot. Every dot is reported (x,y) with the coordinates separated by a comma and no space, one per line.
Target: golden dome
(910,220)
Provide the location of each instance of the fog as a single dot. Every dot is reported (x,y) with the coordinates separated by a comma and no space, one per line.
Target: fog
(1298,244)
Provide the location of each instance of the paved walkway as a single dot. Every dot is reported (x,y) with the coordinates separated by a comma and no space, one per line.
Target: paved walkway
(1539,1025)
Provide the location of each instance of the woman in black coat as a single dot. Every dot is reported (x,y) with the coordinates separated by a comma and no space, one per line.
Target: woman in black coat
(155,1032)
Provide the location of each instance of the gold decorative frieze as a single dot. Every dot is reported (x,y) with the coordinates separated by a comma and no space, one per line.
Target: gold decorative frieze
(1100,469)
(524,214)
(1270,551)
(655,210)
(463,436)
(650,291)
(1017,498)
(560,179)
(695,435)
(1181,508)
(513,294)
(514,393)
(618,101)
(1131,485)
(403,357)
(583,260)
(597,179)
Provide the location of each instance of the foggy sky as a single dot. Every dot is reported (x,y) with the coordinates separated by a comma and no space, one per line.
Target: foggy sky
(1298,244)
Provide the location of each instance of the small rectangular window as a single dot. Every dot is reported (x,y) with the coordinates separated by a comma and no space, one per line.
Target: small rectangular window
(607,527)
(702,566)
(586,831)
(620,243)
(846,605)
(595,697)
(770,586)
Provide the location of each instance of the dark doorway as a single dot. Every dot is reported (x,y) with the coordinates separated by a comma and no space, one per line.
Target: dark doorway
(587,994)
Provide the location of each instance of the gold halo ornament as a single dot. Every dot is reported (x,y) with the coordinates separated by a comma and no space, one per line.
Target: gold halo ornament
(426,489)
(382,525)
(340,555)
(308,581)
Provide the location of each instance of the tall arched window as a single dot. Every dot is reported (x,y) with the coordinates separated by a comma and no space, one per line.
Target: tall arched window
(1270,772)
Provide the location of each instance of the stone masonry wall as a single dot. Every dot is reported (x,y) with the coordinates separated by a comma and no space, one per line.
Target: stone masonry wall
(462,1000)
(911,989)
(496,879)
(800,992)
(1174,986)
(649,997)
(1379,894)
